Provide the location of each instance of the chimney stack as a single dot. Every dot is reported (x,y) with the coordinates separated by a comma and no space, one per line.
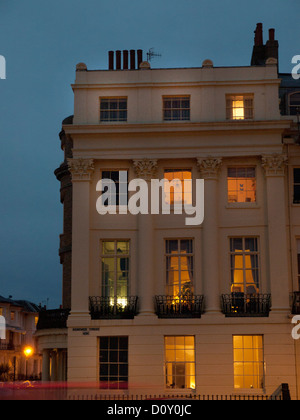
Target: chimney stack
(262,52)
(135,57)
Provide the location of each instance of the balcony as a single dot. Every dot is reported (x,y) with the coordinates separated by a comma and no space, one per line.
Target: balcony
(55,318)
(296,303)
(179,307)
(246,305)
(113,308)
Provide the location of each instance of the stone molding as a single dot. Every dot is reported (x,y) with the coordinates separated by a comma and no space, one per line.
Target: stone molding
(275,164)
(209,167)
(145,168)
(81,169)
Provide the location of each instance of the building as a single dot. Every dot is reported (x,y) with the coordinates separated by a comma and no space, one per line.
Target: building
(152,304)
(21,318)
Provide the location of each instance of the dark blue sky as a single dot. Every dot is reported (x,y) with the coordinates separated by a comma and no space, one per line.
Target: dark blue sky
(42,43)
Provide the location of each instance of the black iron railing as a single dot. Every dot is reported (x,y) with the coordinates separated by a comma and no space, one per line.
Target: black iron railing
(296,303)
(247,305)
(54,318)
(110,307)
(179,307)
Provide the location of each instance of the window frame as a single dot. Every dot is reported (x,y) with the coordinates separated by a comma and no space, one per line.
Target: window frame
(115,257)
(177,362)
(117,192)
(295,184)
(244,269)
(261,362)
(233,97)
(293,106)
(118,109)
(179,256)
(180,108)
(109,349)
(241,203)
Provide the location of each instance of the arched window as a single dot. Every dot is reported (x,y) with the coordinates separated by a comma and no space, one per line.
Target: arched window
(294,103)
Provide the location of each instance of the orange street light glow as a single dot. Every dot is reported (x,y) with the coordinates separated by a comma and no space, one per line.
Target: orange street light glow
(28,351)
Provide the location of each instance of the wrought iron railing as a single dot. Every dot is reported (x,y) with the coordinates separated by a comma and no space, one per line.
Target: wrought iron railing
(246,305)
(54,318)
(179,307)
(110,307)
(296,303)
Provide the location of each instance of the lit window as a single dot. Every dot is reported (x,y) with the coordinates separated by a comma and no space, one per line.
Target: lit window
(113,355)
(180,362)
(241,185)
(116,194)
(115,271)
(176,108)
(113,109)
(12,315)
(296,186)
(180,261)
(248,356)
(181,188)
(244,259)
(239,107)
(294,103)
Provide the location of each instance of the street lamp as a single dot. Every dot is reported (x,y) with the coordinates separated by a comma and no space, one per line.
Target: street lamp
(28,352)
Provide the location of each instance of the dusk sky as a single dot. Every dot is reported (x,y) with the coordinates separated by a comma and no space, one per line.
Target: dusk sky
(42,42)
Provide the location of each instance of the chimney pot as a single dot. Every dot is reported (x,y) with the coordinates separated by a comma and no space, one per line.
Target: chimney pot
(271,34)
(125,59)
(132,59)
(111,60)
(139,57)
(258,40)
(118,60)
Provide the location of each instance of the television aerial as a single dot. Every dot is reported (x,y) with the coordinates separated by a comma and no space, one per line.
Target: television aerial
(151,54)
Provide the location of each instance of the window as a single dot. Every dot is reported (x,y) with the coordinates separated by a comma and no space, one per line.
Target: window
(239,107)
(180,261)
(244,265)
(294,103)
(181,190)
(180,362)
(115,271)
(12,315)
(298,260)
(113,355)
(248,356)
(176,108)
(113,109)
(296,186)
(241,185)
(120,179)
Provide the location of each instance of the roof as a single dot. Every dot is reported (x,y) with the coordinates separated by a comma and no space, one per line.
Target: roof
(25,304)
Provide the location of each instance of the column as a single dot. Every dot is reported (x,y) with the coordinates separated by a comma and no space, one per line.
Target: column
(146,169)
(81,171)
(209,169)
(46,366)
(274,166)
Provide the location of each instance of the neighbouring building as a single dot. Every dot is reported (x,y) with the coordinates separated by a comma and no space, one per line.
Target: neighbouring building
(20,318)
(150,303)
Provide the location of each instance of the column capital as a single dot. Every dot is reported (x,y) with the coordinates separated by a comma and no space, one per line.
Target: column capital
(209,167)
(81,168)
(145,168)
(274,164)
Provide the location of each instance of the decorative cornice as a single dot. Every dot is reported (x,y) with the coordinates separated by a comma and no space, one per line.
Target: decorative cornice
(81,169)
(145,168)
(275,164)
(209,167)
